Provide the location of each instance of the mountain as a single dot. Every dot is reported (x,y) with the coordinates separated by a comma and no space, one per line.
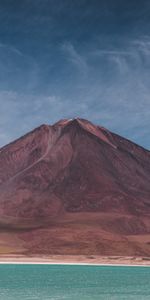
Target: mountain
(74,188)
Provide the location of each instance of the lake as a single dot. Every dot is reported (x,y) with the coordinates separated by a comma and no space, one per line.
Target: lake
(73,282)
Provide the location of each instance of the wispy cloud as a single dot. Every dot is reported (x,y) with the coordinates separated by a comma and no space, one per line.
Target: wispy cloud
(118,94)
(115,94)
(73,56)
(21,113)
(130,53)
(142,45)
(16,68)
(11,48)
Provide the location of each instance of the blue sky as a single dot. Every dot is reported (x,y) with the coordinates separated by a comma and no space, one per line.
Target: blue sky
(65,58)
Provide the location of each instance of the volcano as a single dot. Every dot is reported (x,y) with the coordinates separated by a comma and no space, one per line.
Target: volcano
(74,188)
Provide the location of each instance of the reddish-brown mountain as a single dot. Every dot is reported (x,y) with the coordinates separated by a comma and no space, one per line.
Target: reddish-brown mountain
(74,188)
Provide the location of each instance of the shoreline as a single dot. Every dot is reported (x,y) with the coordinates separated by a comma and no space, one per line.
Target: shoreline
(71,264)
(76,260)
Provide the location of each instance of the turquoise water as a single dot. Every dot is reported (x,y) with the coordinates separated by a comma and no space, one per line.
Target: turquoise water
(66,282)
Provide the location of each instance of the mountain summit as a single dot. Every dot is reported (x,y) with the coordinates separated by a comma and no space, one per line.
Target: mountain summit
(63,183)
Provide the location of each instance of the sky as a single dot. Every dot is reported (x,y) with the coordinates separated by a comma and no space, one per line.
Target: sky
(66,59)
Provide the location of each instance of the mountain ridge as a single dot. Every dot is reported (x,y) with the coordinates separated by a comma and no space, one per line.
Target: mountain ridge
(60,122)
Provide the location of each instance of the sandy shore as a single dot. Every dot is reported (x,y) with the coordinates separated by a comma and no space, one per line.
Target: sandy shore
(75,259)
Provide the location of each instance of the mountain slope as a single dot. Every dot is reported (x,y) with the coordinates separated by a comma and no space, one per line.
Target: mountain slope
(61,184)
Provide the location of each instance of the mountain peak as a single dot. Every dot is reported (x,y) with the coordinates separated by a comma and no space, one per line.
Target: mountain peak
(65,122)
(99,132)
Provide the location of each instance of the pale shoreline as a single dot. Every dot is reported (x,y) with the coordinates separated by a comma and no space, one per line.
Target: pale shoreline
(71,264)
(76,260)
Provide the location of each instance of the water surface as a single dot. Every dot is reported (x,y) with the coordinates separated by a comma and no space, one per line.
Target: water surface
(73,282)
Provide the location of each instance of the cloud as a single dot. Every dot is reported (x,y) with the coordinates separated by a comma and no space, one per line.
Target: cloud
(16,68)
(11,48)
(117,88)
(130,52)
(143,45)
(118,97)
(115,93)
(21,113)
(75,58)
